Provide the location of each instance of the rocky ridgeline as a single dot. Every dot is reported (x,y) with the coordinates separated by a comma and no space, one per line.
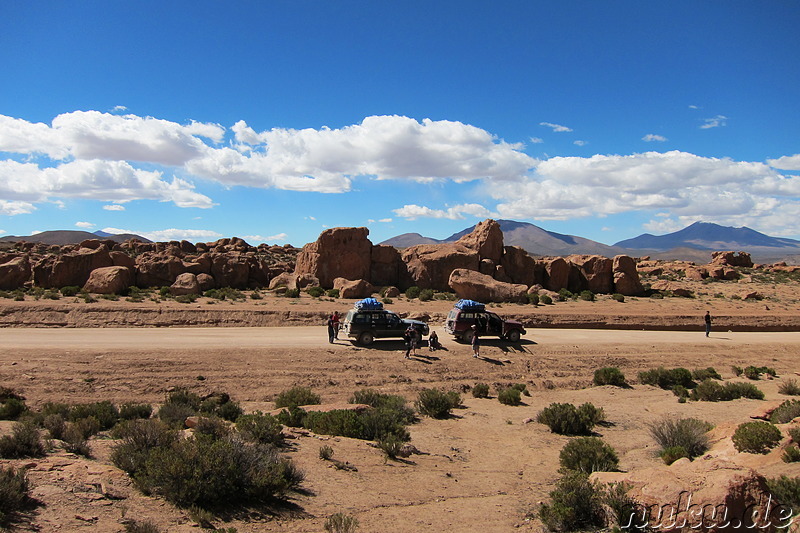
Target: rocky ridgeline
(477,266)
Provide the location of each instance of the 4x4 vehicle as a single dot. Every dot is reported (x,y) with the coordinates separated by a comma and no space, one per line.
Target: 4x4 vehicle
(368,320)
(468,313)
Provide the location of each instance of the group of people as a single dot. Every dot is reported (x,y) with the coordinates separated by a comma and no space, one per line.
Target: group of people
(413,337)
(333,327)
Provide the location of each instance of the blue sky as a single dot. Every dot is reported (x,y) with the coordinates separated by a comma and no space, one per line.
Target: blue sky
(275,120)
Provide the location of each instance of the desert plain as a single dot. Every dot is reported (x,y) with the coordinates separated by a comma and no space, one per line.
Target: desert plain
(485,469)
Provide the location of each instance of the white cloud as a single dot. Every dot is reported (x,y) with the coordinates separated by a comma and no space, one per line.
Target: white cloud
(119,109)
(580,143)
(172,234)
(11,208)
(413,212)
(114,207)
(555,127)
(537,140)
(787,162)
(694,107)
(385,220)
(652,137)
(85,225)
(716,122)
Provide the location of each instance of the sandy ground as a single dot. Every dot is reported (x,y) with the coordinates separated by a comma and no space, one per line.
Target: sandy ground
(483,470)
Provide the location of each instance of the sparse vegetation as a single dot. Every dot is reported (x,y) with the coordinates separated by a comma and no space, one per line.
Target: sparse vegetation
(791,454)
(426,295)
(789,387)
(609,376)
(617,297)
(146,526)
(325,452)
(566,419)
(587,296)
(24,441)
(297,396)
(786,412)
(261,428)
(587,455)
(702,374)
(754,372)
(436,403)
(14,493)
(756,437)
(711,391)
(315,291)
(545,299)
(688,434)
(667,378)
(480,390)
(786,491)
(576,504)
(413,292)
(341,523)
(509,396)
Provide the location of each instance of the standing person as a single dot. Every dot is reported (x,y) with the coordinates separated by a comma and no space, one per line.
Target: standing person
(335,318)
(707,318)
(410,336)
(331,329)
(476,344)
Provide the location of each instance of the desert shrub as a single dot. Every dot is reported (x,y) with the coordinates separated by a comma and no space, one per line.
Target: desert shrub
(131,411)
(673,453)
(533,299)
(255,295)
(390,446)
(564,294)
(625,511)
(687,433)
(175,414)
(509,396)
(387,301)
(293,417)
(138,438)
(786,491)
(756,437)
(384,421)
(315,292)
(258,427)
(14,493)
(292,293)
(12,408)
(55,425)
(681,392)
(385,401)
(105,412)
(325,452)
(135,526)
(332,293)
(737,370)
(24,441)
(609,376)
(225,293)
(341,523)
(426,295)
(53,408)
(587,455)
(754,372)
(789,387)
(229,411)
(587,296)
(297,396)
(436,403)
(186,298)
(791,454)
(786,412)
(566,419)
(342,422)
(702,374)
(86,427)
(75,438)
(743,390)
(70,290)
(576,504)
(667,378)
(413,292)
(545,299)
(212,426)
(209,473)
(617,297)
(521,387)
(480,390)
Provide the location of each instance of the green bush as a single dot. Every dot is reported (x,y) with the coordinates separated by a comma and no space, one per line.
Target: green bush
(292,293)
(545,299)
(341,422)
(86,427)
(587,455)
(737,370)
(756,437)
(12,408)
(138,439)
(480,390)
(667,378)
(341,523)
(673,453)
(754,372)
(293,417)
(509,396)
(297,396)
(225,293)
(212,426)
(55,425)
(315,292)
(261,428)
(566,419)
(609,376)
(105,412)
(436,403)
(789,387)
(186,298)
(24,441)
(14,493)
(576,504)
(325,452)
(681,392)
(786,412)
(702,374)
(385,401)
(791,454)
(587,296)
(794,434)
(332,293)
(533,298)
(76,437)
(425,295)
(522,388)
(391,446)
(131,411)
(617,297)
(786,491)
(711,391)
(564,294)
(413,292)
(70,290)
(690,434)
(175,414)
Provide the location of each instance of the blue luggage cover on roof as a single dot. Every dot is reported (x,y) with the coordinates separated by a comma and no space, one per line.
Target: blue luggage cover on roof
(368,304)
(470,305)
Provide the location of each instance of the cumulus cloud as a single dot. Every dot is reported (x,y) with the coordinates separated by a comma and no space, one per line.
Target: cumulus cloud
(11,208)
(119,109)
(537,140)
(172,234)
(652,137)
(787,162)
(715,122)
(555,127)
(85,225)
(114,207)
(413,212)
(580,143)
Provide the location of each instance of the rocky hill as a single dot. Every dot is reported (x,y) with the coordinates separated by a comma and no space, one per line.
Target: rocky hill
(62,237)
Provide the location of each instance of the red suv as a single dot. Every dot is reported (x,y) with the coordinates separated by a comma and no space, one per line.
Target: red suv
(467,313)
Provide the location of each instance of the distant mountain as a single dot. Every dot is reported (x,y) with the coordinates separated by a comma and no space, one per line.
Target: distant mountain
(708,236)
(62,237)
(531,238)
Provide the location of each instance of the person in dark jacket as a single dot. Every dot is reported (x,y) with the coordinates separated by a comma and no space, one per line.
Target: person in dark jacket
(707,318)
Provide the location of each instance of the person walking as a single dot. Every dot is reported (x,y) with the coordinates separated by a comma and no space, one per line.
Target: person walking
(335,318)
(410,337)
(476,344)
(331,329)
(707,319)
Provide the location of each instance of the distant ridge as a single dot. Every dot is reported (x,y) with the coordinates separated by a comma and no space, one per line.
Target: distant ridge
(708,236)
(62,237)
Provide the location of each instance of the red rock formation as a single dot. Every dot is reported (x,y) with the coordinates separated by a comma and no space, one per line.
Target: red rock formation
(353,289)
(626,277)
(592,272)
(15,272)
(476,286)
(428,266)
(556,274)
(486,239)
(71,268)
(185,283)
(734,259)
(109,280)
(520,267)
(338,252)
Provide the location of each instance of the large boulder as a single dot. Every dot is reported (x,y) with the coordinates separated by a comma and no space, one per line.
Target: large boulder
(486,239)
(473,285)
(429,266)
(556,274)
(155,270)
(230,269)
(733,259)
(109,280)
(122,259)
(337,252)
(71,268)
(520,267)
(592,272)
(385,266)
(15,272)
(626,277)
(185,283)
(353,288)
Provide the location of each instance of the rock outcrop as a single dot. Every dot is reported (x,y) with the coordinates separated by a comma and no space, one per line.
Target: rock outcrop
(473,285)
(338,252)
(353,288)
(109,280)
(185,283)
(734,259)
(626,278)
(15,273)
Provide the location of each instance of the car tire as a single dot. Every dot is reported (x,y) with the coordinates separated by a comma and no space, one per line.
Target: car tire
(467,336)
(366,338)
(513,335)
